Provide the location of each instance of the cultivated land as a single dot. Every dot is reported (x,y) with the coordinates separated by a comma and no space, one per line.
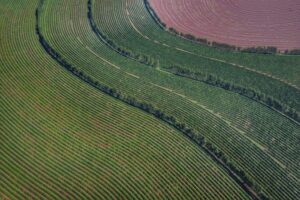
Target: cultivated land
(61,138)
(278,74)
(69,130)
(238,22)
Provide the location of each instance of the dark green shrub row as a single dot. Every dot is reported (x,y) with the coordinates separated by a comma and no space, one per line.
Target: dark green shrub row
(189,37)
(247,92)
(154,15)
(260,50)
(142,58)
(216,154)
(245,181)
(292,52)
(199,40)
(224,46)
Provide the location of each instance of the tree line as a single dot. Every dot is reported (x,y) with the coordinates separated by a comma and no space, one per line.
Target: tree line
(292,52)
(154,15)
(247,92)
(239,175)
(259,50)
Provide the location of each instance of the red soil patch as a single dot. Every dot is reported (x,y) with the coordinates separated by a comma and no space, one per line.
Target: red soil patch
(244,23)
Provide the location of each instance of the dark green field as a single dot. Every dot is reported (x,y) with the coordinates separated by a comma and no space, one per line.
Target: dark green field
(97,101)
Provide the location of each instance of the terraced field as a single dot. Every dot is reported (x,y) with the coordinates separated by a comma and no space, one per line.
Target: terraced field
(278,74)
(80,119)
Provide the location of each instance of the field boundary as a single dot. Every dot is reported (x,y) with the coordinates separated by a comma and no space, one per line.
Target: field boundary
(256,96)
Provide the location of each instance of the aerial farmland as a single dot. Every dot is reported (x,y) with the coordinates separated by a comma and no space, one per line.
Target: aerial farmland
(150,99)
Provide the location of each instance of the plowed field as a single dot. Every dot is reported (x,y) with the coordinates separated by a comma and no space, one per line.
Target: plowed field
(238,22)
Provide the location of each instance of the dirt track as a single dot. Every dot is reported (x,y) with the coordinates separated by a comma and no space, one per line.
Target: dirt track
(240,22)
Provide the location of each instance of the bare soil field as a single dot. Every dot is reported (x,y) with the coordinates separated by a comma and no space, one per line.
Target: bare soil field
(239,22)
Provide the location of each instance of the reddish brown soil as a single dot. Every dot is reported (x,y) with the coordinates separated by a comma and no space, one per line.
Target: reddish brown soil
(243,23)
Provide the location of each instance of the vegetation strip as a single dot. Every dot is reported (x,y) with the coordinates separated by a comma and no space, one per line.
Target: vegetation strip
(238,175)
(210,79)
(203,41)
(243,67)
(257,96)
